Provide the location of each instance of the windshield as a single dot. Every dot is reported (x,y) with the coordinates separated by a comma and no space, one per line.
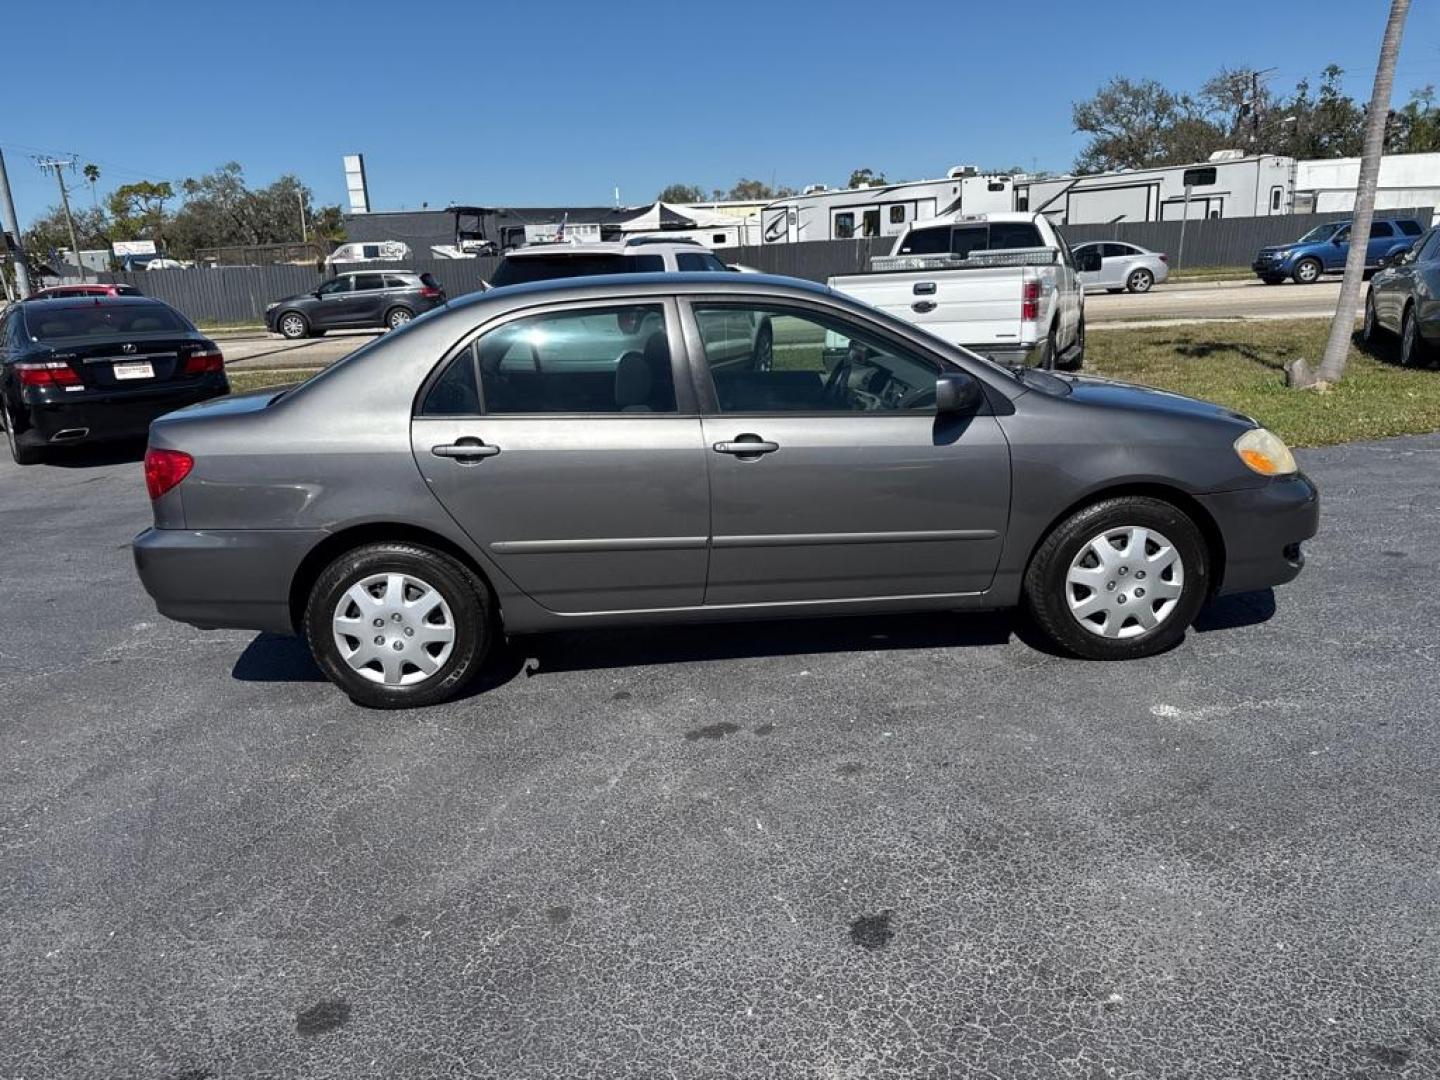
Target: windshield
(1320,232)
(102,320)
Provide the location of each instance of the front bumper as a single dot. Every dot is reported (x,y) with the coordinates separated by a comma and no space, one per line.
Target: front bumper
(1264,267)
(101,416)
(1262,529)
(237,578)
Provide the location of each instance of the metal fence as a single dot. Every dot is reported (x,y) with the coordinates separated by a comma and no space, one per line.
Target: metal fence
(1220,241)
(239,294)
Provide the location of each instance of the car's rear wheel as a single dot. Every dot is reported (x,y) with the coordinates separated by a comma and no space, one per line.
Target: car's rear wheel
(1413,352)
(293,325)
(398,625)
(1076,358)
(1120,579)
(1307,271)
(1045,358)
(22,455)
(397,317)
(1140,280)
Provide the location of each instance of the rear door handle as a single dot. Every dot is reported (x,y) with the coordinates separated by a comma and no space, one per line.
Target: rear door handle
(466,451)
(751,446)
(922,306)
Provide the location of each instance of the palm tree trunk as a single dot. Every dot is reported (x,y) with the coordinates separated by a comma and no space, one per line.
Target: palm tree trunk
(1332,367)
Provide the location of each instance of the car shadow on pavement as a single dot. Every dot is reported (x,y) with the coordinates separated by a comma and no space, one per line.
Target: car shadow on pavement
(276,658)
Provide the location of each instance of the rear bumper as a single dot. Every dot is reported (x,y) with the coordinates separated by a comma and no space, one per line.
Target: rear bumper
(236,578)
(55,420)
(1263,529)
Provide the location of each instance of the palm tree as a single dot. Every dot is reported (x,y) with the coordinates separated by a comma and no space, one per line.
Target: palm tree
(92,177)
(1342,329)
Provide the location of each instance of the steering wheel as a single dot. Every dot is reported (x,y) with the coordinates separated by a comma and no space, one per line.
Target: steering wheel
(916,399)
(837,385)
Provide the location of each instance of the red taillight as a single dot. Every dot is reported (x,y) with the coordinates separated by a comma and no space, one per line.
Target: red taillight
(429,292)
(1030,301)
(47,373)
(164,469)
(1164,258)
(208,360)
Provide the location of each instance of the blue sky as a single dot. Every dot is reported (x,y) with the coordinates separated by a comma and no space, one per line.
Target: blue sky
(545,102)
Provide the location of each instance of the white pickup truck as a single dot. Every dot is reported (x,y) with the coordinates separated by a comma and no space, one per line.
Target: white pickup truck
(1004,285)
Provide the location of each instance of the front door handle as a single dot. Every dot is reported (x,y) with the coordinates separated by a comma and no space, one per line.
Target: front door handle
(467,451)
(746,446)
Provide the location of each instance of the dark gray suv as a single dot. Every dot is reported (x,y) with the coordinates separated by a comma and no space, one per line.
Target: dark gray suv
(364,299)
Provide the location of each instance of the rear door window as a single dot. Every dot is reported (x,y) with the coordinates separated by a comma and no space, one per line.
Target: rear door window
(613,359)
(369,282)
(1379,230)
(932,241)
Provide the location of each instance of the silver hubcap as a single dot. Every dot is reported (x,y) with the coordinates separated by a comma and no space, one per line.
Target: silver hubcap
(292,326)
(764,355)
(1140,281)
(1308,272)
(399,318)
(1369,318)
(394,629)
(1407,343)
(1124,582)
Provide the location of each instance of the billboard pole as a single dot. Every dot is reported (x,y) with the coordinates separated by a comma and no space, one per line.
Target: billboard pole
(1184,217)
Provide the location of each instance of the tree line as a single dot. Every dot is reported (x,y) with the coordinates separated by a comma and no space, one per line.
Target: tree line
(217,209)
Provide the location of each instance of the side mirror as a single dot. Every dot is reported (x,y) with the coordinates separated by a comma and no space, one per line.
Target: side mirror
(1088,261)
(957,393)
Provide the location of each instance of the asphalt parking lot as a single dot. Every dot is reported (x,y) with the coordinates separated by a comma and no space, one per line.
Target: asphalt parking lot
(886,847)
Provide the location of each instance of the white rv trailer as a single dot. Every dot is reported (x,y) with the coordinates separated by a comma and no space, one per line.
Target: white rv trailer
(1406,180)
(1228,185)
(881,209)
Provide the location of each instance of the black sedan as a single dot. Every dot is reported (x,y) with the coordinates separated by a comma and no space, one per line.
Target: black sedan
(1404,299)
(88,369)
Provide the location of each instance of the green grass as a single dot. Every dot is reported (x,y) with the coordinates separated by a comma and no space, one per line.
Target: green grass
(1211,273)
(241,381)
(1241,365)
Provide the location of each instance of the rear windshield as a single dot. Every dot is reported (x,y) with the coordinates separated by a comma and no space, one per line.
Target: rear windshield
(98,320)
(548,268)
(968,237)
(428,280)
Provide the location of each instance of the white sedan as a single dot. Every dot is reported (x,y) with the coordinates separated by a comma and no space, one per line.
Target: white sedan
(1124,267)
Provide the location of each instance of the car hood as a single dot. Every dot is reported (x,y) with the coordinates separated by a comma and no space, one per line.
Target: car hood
(1110,393)
(1273,248)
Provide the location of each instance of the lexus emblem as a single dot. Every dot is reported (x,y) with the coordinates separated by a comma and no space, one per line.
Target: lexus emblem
(127,348)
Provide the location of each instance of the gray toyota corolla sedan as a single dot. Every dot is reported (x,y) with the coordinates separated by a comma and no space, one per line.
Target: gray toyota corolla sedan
(679,448)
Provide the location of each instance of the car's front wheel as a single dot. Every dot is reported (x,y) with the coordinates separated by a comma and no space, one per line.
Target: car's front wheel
(1120,579)
(1308,271)
(293,325)
(398,625)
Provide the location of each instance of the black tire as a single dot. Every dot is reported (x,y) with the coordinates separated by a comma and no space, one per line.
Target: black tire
(1113,291)
(1308,271)
(1370,329)
(1413,350)
(1045,358)
(1272,280)
(22,455)
(1140,280)
(292,325)
(1047,592)
(397,317)
(1077,356)
(463,592)
(762,353)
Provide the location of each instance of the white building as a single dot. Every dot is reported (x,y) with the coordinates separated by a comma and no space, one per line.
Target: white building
(1406,180)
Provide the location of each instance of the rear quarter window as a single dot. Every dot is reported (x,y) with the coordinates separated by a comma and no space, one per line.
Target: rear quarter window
(932,241)
(1409,228)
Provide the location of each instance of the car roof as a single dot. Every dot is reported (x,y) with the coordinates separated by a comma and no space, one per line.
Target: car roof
(130,300)
(602,247)
(600,285)
(378,270)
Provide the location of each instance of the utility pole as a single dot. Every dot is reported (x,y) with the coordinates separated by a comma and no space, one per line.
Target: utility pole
(58,164)
(12,226)
(304,230)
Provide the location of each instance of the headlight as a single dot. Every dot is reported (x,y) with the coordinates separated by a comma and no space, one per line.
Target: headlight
(1266,453)
(272,307)
(1281,255)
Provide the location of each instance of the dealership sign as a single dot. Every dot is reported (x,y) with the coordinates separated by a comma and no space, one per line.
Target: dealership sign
(121,248)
